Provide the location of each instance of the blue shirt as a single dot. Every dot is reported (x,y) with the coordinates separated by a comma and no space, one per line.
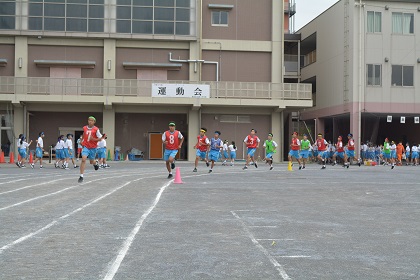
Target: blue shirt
(214,143)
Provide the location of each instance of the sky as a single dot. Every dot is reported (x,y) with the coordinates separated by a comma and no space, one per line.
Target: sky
(307,10)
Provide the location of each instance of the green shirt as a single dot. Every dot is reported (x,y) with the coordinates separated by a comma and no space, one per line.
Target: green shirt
(304,144)
(387,149)
(269,147)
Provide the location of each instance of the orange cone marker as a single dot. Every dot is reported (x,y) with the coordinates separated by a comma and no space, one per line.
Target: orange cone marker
(178,179)
(31,158)
(12,158)
(2,158)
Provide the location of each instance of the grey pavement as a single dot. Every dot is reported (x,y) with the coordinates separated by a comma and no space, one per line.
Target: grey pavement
(127,222)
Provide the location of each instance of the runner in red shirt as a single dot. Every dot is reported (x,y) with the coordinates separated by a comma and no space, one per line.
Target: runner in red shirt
(322,149)
(202,147)
(350,154)
(339,150)
(173,140)
(294,149)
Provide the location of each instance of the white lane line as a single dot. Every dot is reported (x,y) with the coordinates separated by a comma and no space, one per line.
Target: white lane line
(60,191)
(294,257)
(276,264)
(32,234)
(113,268)
(274,239)
(263,226)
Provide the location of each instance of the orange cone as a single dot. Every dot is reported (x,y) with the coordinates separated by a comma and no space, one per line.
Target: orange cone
(31,158)
(12,158)
(178,179)
(2,158)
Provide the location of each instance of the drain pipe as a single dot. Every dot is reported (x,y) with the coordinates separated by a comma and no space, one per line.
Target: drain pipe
(195,61)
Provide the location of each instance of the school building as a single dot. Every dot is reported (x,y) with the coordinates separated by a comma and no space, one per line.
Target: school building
(363,61)
(137,64)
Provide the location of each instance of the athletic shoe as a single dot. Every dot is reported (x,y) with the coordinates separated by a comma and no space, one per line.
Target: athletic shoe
(303,167)
(323,167)
(210,171)
(392,167)
(207,164)
(170,176)
(96,167)
(66,168)
(107,166)
(173,165)
(271,168)
(75,166)
(80,179)
(245,168)
(22,166)
(256,166)
(32,165)
(333,164)
(359,163)
(41,167)
(195,170)
(18,164)
(300,167)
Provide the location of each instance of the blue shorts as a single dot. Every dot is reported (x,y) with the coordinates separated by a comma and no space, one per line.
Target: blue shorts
(90,153)
(214,155)
(251,151)
(169,154)
(393,154)
(315,153)
(200,154)
(407,155)
(294,153)
(65,153)
(415,155)
(339,154)
(269,155)
(59,154)
(350,153)
(71,153)
(323,154)
(387,155)
(38,152)
(225,154)
(101,152)
(304,154)
(22,153)
(233,155)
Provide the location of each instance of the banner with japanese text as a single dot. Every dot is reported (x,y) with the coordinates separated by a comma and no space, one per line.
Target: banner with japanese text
(180,90)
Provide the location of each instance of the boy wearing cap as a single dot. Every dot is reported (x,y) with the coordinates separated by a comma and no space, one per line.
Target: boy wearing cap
(91,137)
(202,147)
(173,140)
(270,149)
(321,144)
(305,146)
(39,152)
(252,143)
(215,145)
(350,152)
(294,149)
(339,150)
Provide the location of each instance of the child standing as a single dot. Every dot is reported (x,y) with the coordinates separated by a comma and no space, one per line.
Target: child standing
(18,163)
(79,146)
(407,154)
(232,148)
(39,152)
(225,151)
(102,153)
(415,154)
(59,154)
(23,150)
(400,151)
(215,145)
(70,153)
(202,147)
(270,148)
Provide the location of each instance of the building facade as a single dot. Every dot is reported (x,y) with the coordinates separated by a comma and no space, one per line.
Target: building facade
(63,60)
(363,60)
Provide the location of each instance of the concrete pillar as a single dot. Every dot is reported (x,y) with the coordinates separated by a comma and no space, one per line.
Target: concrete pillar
(277,134)
(320,126)
(194,123)
(281,154)
(21,56)
(109,128)
(18,125)
(354,129)
(195,54)
(277,38)
(109,58)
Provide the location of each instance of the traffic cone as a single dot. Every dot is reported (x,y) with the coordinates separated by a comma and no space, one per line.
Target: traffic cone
(12,157)
(178,179)
(109,156)
(2,158)
(290,168)
(31,158)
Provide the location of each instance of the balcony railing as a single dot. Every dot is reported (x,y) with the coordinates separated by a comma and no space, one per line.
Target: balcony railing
(137,88)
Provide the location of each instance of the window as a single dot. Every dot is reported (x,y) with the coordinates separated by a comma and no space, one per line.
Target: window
(166,17)
(219,18)
(7,14)
(402,76)
(374,75)
(374,22)
(66,15)
(402,23)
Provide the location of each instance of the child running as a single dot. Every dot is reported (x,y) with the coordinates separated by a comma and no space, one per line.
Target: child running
(202,147)
(339,150)
(39,151)
(321,143)
(393,152)
(215,145)
(415,154)
(294,149)
(173,140)
(91,137)
(18,162)
(225,151)
(23,150)
(252,143)
(232,148)
(407,154)
(59,154)
(270,148)
(102,153)
(400,151)
(305,147)
(350,152)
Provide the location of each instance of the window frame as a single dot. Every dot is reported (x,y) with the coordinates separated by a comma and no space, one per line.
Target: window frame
(402,24)
(402,76)
(373,75)
(374,22)
(220,18)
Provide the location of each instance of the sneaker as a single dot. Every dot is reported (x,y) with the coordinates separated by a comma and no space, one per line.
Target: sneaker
(300,167)
(245,168)
(303,167)
(96,167)
(392,167)
(18,164)
(170,176)
(41,167)
(22,166)
(210,171)
(195,170)
(348,165)
(32,165)
(323,167)
(107,166)
(256,166)
(334,163)
(207,164)
(359,163)
(80,179)
(173,165)
(66,168)
(271,167)
(75,166)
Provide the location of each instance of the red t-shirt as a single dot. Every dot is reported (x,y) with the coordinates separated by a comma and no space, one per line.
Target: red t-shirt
(173,140)
(202,140)
(88,134)
(340,147)
(252,141)
(350,145)
(295,141)
(321,144)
